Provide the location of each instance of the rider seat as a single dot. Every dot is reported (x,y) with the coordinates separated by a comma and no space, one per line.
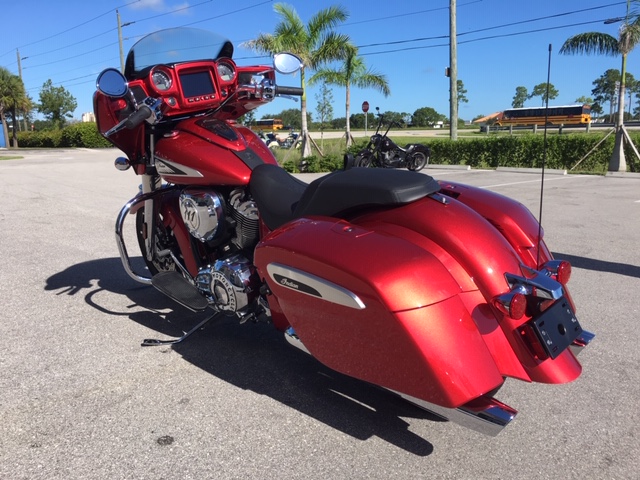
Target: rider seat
(281,197)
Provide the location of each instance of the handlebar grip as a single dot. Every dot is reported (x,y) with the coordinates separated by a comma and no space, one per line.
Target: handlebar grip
(297,91)
(138,117)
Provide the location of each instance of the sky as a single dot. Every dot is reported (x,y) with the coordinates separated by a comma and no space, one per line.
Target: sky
(501,44)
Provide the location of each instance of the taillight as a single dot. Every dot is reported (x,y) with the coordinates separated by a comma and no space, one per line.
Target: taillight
(564,272)
(560,270)
(513,304)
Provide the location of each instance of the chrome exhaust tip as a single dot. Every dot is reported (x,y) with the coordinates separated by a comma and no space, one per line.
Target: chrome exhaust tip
(484,414)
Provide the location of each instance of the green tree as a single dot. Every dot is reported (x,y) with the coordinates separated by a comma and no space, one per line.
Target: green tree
(426,117)
(462,93)
(521,96)
(352,72)
(325,109)
(605,89)
(604,44)
(56,103)
(315,43)
(248,119)
(584,100)
(540,90)
(13,98)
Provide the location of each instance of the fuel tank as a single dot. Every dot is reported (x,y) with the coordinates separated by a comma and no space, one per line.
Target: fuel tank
(207,151)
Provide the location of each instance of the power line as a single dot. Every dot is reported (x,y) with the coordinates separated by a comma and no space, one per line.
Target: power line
(397,42)
(484,38)
(71,28)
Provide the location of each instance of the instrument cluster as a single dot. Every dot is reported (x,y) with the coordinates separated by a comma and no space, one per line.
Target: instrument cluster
(193,85)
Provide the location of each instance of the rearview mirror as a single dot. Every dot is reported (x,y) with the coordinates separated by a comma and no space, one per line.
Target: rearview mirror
(286,63)
(112,83)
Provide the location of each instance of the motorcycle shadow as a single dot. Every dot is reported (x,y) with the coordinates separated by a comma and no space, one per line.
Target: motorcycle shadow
(600,265)
(254,357)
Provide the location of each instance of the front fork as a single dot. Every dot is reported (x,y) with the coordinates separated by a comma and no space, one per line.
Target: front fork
(150,183)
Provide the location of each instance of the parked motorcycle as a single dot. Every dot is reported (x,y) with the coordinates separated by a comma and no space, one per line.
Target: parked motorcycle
(291,140)
(383,152)
(435,291)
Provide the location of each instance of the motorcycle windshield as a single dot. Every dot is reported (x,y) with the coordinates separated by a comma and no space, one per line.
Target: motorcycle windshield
(175,45)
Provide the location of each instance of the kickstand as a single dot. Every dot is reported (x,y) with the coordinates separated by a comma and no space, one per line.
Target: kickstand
(152,342)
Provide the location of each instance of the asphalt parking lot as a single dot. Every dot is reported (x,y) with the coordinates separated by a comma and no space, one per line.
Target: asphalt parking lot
(80,399)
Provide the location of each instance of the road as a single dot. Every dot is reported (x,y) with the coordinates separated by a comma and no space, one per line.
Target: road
(80,399)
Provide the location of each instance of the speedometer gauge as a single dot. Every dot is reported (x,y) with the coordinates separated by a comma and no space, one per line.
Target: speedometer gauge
(161,80)
(226,72)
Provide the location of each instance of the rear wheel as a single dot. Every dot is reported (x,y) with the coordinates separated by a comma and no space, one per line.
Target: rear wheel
(418,161)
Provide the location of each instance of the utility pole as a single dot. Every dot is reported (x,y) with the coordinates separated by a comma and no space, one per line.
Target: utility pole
(453,73)
(24,114)
(120,42)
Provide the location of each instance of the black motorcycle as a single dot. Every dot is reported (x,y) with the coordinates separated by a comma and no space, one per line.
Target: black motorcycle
(382,152)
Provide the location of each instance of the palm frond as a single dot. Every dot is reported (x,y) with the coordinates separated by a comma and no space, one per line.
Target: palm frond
(591,43)
(325,20)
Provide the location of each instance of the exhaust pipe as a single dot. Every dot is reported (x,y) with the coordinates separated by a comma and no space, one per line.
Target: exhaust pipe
(484,414)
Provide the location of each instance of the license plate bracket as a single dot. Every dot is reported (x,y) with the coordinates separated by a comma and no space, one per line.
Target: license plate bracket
(557,327)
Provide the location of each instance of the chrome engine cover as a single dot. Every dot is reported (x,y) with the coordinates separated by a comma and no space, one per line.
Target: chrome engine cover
(230,284)
(202,212)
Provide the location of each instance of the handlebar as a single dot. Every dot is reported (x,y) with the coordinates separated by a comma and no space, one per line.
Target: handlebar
(138,117)
(295,91)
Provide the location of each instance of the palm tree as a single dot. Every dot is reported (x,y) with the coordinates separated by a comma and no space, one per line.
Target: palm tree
(605,44)
(6,81)
(315,43)
(13,98)
(352,72)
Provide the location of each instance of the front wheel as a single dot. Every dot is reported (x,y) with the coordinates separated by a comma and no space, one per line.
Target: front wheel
(164,240)
(417,161)
(363,159)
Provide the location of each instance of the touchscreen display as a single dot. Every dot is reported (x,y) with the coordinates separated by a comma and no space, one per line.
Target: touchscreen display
(196,84)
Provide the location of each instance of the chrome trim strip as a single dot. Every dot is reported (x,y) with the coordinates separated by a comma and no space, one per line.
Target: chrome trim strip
(485,415)
(309,284)
(582,341)
(167,167)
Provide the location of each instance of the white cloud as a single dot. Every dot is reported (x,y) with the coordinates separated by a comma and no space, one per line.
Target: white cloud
(149,4)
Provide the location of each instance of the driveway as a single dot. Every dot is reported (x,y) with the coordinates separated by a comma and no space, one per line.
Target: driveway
(80,399)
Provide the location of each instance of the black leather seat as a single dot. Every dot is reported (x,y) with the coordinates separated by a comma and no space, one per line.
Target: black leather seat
(281,197)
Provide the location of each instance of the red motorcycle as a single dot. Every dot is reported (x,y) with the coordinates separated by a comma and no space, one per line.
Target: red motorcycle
(436,291)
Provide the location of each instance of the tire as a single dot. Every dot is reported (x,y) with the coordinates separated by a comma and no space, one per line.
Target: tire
(163,240)
(363,160)
(418,161)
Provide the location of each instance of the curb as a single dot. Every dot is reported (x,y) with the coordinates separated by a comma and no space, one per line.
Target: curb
(538,171)
(623,174)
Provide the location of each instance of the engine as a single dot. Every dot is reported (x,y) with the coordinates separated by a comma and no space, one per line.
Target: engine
(208,216)
(230,284)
